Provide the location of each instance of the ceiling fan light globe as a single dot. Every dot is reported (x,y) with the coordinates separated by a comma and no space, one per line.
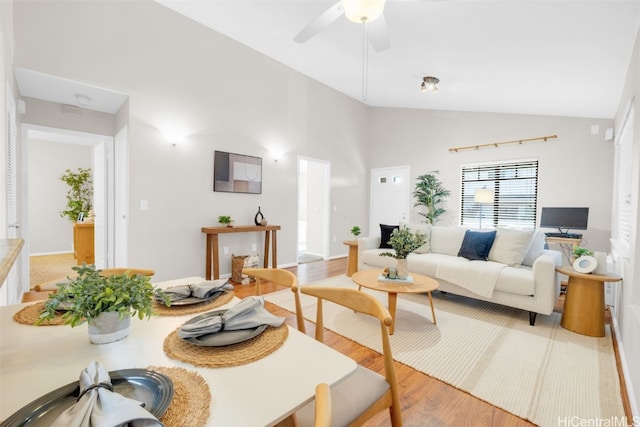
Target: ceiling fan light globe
(361,11)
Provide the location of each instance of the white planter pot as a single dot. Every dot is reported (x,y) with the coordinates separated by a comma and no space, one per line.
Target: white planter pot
(403,269)
(108,327)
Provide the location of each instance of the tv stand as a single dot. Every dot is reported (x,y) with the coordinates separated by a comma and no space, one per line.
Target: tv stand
(564,234)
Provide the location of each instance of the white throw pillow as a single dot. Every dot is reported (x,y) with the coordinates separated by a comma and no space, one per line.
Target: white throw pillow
(536,248)
(446,240)
(424,229)
(510,246)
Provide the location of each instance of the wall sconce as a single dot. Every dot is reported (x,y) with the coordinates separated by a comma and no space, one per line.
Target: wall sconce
(173,135)
(276,155)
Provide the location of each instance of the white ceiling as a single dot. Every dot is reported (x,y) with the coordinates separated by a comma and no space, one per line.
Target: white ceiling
(560,57)
(550,57)
(38,85)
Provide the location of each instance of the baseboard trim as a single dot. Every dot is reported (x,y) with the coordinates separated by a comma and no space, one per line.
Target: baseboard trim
(629,394)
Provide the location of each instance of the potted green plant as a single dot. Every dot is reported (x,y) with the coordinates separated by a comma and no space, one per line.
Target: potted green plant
(579,251)
(355,230)
(225,220)
(79,194)
(107,303)
(431,194)
(403,241)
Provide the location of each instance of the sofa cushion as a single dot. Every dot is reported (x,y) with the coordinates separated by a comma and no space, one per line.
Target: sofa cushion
(476,245)
(425,230)
(385,235)
(510,246)
(446,240)
(536,248)
(372,257)
(518,281)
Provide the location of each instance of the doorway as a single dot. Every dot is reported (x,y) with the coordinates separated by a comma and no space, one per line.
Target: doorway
(102,163)
(390,197)
(313,209)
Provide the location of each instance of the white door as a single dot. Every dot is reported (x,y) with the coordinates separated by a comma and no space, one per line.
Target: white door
(390,197)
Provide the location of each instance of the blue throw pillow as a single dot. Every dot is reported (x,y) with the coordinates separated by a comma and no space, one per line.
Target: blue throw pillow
(477,244)
(385,235)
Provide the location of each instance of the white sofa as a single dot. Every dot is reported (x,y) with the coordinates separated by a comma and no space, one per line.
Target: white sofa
(519,272)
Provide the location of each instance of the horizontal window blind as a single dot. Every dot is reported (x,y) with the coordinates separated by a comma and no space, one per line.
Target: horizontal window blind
(515,190)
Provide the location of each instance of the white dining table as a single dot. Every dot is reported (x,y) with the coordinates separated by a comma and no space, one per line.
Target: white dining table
(35,360)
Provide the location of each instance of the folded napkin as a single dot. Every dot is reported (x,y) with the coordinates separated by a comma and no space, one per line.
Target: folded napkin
(248,313)
(202,290)
(98,406)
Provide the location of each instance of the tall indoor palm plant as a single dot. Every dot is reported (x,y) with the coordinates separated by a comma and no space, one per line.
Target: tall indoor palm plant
(431,194)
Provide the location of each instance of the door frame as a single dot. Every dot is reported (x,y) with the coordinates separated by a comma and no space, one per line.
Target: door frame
(103,188)
(326,205)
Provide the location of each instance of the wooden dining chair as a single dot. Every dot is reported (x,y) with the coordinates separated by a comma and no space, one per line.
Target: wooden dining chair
(322,416)
(280,277)
(365,393)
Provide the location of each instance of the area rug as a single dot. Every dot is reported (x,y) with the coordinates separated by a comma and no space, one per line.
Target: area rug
(545,373)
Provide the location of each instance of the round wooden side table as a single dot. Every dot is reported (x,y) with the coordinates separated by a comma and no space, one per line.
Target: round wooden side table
(584,302)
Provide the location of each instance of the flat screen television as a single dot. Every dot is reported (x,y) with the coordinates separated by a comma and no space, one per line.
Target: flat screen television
(564,218)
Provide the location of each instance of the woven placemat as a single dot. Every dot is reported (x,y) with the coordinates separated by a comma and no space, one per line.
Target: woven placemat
(230,355)
(180,310)
(191,396)
(31,313)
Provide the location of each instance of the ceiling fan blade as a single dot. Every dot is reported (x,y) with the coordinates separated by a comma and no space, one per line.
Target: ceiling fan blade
(379,34)
(320,23)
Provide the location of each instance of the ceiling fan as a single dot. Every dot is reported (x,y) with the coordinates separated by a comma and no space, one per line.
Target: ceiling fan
(367,12)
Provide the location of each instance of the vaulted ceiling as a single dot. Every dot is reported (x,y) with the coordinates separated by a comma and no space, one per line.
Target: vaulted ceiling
(560,57)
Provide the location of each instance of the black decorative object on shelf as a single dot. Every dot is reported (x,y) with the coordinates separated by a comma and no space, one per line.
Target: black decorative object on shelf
(259,218)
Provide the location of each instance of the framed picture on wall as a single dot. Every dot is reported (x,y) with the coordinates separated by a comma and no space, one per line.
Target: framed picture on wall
(237,173)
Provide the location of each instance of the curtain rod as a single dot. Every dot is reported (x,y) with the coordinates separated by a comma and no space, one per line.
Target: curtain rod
(497,144)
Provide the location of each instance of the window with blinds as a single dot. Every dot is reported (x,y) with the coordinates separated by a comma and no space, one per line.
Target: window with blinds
(515,193)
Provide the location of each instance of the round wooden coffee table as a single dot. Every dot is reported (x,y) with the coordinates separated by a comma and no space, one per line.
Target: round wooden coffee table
(421,285)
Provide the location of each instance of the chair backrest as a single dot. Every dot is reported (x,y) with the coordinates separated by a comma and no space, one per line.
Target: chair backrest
(323,406)
(280,277)
(364,303)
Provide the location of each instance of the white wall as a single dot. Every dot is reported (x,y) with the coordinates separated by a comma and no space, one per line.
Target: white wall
(575,169)
(179,74)
(48,231)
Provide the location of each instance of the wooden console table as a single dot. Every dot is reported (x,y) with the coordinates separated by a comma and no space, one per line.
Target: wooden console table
(212,256)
